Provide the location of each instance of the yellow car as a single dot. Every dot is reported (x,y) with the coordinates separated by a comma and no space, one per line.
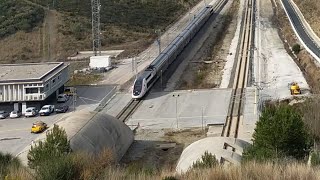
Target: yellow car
(38,127)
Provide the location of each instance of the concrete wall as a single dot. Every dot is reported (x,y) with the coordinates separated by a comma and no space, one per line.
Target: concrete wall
(103,131)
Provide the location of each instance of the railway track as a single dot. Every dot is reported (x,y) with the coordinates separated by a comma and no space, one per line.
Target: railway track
(128,110)
(231,127)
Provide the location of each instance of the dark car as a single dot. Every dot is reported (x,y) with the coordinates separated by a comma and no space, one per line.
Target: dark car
(3,114)
(62,109)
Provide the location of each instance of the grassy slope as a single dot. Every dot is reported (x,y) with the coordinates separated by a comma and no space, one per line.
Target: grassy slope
(311,11)
(126,24)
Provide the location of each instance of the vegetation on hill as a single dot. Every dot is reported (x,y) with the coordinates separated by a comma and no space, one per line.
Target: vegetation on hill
(279,133)
(17,15)
(128,25)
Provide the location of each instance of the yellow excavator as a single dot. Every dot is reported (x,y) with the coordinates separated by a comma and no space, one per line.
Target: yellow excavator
(295,89)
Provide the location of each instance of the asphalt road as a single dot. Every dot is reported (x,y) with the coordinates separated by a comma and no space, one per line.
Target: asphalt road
(306,38)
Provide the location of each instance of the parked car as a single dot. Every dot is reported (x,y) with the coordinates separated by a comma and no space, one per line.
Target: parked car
(62,98)
(31,111)
(38,127)
(3,114)
(15,114)
(46,110)
(62,109)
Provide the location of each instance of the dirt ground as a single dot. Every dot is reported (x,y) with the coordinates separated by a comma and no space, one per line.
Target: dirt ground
(304,60)
(156,149)
(206,68)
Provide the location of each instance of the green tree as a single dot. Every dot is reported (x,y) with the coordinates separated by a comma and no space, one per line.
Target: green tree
(207,161)
(279,133)
(56,145)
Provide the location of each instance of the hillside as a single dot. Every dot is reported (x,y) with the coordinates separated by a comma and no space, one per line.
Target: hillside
(66,27)
(311,11)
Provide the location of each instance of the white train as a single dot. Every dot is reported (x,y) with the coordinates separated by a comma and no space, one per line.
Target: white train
(149,76)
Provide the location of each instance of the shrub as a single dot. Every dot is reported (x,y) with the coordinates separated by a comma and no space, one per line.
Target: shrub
(280,132)
(296,48)
(7,161)
(207,161)
(315,158)
(62,168)
(169,178)
(55,145)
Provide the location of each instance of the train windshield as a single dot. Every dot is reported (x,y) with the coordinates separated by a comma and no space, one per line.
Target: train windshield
(137,86)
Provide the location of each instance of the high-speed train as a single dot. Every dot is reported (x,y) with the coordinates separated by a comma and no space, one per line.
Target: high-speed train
(149,76)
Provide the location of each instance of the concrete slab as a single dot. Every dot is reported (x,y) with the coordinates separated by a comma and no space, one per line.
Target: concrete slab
(194,108)
(117,103)
(250,114)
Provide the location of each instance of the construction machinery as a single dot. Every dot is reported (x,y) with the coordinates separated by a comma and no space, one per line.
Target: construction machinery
(295,89)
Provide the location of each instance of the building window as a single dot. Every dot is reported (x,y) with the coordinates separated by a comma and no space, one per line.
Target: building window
(41,90)
(53,80)
(31,90)
(59,77)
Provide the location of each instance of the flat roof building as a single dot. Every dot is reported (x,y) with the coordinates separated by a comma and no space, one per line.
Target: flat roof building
(31,81)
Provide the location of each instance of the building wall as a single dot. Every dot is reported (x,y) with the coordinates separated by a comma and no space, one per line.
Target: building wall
(33,91)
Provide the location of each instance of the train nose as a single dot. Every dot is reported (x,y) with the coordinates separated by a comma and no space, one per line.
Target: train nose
(136,93)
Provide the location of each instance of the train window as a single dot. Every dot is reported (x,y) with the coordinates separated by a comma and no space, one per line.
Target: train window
(148,76)
(137,85)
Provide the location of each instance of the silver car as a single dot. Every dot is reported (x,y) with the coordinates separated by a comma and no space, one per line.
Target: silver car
(15,114)
(3,114)
(31,111)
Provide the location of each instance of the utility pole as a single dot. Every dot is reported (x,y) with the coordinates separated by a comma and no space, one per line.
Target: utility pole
(158,32)
(176,97)
(74,99)
(96,39)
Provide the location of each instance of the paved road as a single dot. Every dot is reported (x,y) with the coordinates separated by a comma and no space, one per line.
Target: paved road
(15,133)
(304,35)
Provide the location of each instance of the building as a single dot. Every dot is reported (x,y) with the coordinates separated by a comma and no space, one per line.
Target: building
(21,84)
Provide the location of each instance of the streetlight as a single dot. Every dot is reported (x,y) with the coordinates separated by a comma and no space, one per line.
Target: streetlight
(176,97)
(74,99)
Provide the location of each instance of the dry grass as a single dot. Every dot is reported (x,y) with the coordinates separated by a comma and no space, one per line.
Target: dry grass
(21,47)
(84,79)
(102,167)
(245,172)
(311,11)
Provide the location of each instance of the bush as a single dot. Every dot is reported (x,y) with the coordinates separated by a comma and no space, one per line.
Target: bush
(62,168)
(207,161)
(296,48)
(7,161)
(56,145)
(315,158)
(279,133)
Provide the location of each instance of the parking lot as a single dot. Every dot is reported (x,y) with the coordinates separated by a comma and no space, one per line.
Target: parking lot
(15,133)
